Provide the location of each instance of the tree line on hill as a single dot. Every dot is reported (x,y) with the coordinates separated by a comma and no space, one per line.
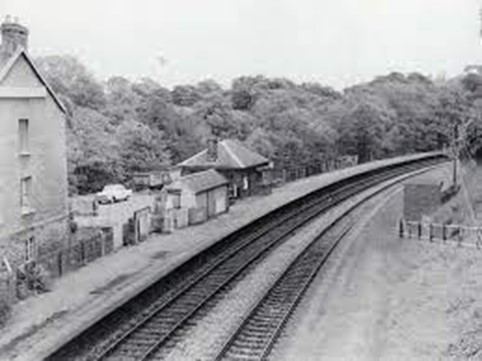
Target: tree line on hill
(119,127)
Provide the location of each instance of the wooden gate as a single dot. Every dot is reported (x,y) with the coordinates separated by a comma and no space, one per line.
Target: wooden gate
(142,224)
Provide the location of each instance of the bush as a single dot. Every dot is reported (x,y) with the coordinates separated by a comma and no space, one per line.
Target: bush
(41,279)
(5,310)
(33,277)
(22,291)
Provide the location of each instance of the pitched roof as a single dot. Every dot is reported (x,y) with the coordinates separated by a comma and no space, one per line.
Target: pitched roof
(6,64)
(200,181)
(231,155)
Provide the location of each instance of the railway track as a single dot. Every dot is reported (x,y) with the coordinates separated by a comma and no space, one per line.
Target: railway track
(143,327)
(254,339)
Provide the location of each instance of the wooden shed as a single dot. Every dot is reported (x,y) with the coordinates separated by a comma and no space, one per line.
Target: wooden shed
(203,194)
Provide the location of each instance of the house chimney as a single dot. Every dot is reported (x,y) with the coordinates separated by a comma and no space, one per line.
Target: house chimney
(212,149)
(14,36)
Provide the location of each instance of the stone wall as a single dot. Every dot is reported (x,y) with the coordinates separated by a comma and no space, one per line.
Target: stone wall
(49,237)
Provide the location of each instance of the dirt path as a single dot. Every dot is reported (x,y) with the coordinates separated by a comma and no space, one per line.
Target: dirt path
(383,298)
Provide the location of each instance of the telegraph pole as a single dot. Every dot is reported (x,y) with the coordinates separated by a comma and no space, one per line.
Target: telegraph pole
(455,152)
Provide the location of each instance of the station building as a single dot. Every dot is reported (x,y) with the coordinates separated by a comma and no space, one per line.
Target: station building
(34,214)
(247,171)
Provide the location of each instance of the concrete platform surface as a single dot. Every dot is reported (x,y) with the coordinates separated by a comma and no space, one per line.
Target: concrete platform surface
(40,324)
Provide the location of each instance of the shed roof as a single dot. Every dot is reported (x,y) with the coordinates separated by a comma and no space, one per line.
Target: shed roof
(200,181)
(231,155)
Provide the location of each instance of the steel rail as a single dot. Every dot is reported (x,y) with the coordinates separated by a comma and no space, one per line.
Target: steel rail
(343,193)
(250,350)
(309,212)
(270,225)
(255,336)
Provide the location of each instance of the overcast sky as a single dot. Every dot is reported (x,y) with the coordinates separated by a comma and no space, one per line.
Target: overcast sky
(337,42)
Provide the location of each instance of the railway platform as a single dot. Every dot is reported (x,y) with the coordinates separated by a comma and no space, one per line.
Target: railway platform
(41,324)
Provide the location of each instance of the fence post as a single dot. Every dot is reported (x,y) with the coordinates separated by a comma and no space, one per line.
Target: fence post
(59,263)
(95,208)
(478,232)
(82,252)
(401,230)
(10,281)
(444,232)
(419,227)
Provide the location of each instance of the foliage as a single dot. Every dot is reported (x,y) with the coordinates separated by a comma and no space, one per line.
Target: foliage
(119,126)
(5,311)
(141,148)
(69,77)
(35,278)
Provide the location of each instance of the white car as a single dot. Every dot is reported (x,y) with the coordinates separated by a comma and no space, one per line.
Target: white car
(113,193)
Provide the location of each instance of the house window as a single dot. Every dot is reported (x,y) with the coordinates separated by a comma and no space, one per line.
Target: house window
(26,193)
(176,201)
(23,136)
(30,249)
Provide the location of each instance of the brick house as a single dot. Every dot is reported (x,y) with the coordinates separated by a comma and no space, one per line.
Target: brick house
(247,172)
(33,167)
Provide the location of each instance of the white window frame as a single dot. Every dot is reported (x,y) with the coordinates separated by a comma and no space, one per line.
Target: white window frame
(24,136)
(26,194)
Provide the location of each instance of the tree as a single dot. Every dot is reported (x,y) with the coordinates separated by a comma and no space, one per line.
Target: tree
(120,127)
(122,102)
(69,77)
(141,148)
(185,95)
(92,154)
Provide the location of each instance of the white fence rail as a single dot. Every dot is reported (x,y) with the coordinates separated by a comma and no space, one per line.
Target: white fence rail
(462,235)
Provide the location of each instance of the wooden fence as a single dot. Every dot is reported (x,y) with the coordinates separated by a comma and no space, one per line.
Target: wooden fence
(83,249)
(289,174)
(459,234)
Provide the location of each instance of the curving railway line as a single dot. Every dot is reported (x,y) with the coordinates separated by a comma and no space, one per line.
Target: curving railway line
(257,334)
(149,325)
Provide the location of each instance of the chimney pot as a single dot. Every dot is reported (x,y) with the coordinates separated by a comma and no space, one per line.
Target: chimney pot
(212,154)
(14,36)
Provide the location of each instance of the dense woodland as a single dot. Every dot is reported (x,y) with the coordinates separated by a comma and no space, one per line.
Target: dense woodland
(118,127)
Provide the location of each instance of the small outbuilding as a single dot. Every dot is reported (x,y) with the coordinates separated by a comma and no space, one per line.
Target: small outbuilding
(197,197)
